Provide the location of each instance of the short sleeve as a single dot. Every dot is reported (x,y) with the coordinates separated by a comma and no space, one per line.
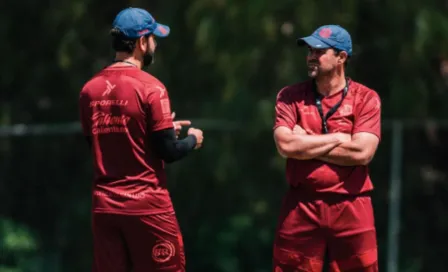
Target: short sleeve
(85,113)
(285,115)
(159,105)
(368,116)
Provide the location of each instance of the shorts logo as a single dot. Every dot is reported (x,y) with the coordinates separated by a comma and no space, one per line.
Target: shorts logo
(163,251)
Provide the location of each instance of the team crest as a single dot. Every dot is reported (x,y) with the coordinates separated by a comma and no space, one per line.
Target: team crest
(163,251)
(346,110)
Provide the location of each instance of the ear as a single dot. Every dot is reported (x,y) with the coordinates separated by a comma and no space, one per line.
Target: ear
(141,43)
(342,57)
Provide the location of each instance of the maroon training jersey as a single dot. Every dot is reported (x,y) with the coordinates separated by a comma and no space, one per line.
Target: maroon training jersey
(360,111)
(120,107)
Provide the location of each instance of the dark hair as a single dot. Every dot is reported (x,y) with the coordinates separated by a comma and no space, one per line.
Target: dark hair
(121,43)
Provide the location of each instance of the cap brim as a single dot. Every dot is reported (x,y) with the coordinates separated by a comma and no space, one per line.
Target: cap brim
(312,42)
(161,30)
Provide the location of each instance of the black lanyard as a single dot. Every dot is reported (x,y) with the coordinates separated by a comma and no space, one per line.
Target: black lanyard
(125,61)
(323,117)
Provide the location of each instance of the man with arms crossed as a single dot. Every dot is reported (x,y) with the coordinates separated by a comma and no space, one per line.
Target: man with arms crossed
(126,117)
(329,129)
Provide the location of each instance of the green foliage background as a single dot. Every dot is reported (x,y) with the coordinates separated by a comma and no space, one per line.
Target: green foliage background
(224,60)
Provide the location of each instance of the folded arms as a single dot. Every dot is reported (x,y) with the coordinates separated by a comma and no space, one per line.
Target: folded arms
(337,148)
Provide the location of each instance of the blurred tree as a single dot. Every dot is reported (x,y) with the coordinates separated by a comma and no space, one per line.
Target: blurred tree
(225,59)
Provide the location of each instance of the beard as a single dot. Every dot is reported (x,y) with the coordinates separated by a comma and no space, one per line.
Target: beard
(148,59)
(313,69)
(316,71)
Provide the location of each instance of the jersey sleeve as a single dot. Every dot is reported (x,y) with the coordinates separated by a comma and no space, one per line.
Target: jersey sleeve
(84,114)
(159,107)
(285,115)
(368,117)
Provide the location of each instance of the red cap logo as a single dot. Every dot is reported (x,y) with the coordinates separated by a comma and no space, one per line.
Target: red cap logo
(325,33)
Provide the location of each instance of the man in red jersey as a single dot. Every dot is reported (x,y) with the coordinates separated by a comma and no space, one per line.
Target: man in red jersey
(329,130)
(126,116)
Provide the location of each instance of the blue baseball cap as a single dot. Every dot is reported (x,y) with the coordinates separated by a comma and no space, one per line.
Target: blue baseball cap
(136,22)
(329,36)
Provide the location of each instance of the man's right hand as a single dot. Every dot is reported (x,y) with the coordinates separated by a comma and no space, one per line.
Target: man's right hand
(199,136)
(179,124)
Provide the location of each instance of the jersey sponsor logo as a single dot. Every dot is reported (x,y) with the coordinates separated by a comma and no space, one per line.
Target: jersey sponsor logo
(105,123)
(109,88)
(120,195)
(106,103)
(163,251)
(310,112)
(305,110)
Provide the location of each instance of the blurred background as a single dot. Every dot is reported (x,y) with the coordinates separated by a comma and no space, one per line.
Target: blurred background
(223,65)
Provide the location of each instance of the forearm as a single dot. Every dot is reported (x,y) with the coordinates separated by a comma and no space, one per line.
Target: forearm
(346,154)
(302,146)
(170,149)
(312,153)
(181,148)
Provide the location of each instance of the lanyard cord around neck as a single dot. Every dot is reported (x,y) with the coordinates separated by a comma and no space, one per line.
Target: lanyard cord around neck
(318,97)
(125,61)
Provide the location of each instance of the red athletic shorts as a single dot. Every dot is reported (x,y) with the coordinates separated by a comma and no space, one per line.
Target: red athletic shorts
(309,227)
(124,243)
